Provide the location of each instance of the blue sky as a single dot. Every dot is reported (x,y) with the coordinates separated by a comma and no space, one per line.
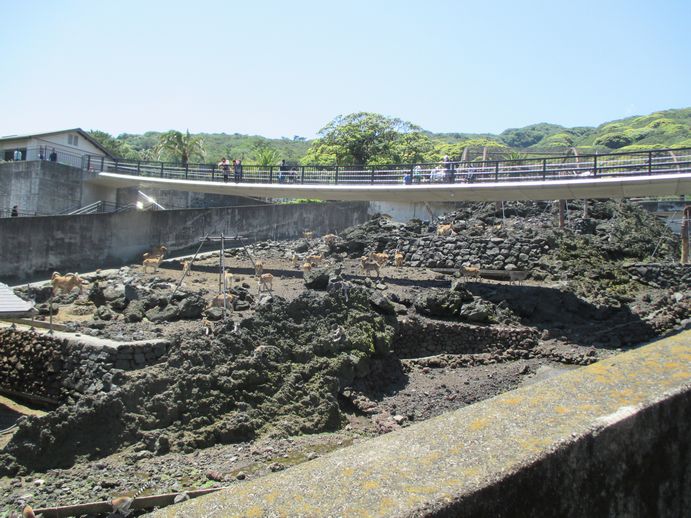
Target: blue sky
(278,68)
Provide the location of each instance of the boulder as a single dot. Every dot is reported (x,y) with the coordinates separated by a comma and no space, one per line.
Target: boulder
(167,313)
(439,303)
(191,307)
(96,295)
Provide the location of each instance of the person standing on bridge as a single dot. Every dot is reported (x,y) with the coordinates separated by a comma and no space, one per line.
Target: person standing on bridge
(224,166)
(237,169)
(53,157)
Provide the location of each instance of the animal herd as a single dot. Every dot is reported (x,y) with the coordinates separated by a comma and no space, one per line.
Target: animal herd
(373,262)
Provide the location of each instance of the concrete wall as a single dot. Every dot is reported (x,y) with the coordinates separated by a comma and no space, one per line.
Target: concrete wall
(35,247)
(40,187)
(404,212)
(612,439)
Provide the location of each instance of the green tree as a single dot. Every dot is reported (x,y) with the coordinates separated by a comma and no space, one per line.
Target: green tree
(367,138)
(115,146)
(182,146)
(265,155)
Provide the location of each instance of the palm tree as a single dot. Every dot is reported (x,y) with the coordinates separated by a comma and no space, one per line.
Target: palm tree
(266,156)
(180,145)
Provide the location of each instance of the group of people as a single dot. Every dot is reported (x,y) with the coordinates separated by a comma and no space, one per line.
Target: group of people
(19,155)
(224,165)
(444,172)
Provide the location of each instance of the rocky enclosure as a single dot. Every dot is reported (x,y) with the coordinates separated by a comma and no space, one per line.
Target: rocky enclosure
(330,350)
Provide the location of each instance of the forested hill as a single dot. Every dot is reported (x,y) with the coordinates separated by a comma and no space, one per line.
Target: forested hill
(668,128)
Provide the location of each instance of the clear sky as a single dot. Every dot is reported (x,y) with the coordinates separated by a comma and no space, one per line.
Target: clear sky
(285,68)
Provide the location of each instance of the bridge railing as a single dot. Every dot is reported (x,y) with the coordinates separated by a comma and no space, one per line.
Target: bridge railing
(478,171)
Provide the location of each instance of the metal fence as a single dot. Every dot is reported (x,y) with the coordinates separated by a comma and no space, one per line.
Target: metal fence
(46,153)
(657,161)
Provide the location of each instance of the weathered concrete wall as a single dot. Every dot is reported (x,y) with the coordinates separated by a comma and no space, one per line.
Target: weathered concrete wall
(416,337)
(32,247)
(40,187)
(61,365)
(611,439)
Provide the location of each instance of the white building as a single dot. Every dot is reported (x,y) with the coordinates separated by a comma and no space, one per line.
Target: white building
(68,146)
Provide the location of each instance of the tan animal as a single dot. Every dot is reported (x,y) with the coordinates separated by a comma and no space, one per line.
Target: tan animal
(28,512)
(295,260)
(258,268)
(156,251)
(265,282)
(398,259)
(66,283)
(186,266)
(121,505)
(445,230)
(306,267)
(368,265)
(228,277)
(308,234)
(380,257)
(151,262)
(315,259)
(470,272)
(217,301)
(330,239)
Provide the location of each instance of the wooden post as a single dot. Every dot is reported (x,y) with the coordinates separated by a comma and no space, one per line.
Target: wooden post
(585,208)
(562,211)
(685,235)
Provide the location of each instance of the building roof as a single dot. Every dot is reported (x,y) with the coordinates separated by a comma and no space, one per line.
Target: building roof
(11,305)
(83,133)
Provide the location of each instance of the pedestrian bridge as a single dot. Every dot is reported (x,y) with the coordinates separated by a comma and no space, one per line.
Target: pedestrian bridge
(617,175)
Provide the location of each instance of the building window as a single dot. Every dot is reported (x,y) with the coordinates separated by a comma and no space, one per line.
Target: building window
(72,140)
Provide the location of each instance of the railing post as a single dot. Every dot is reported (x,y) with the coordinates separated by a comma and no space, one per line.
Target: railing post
(103,161)
(336,177)
(302,175)
(496,171)
(372,177)
(544,169)
(187,169)
(650,162)
(116,165)
(139,167)
(213,172)
(88,162)
(161,169)
(594,165)
(271,174)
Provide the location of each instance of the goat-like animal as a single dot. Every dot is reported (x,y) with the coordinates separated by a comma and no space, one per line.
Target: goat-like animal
(151,262)
(368,265)
(186,266)
(470,272)
(258,268)
(379,257)
(445,230)
(265,281)
(398,259)
(156,251)
(315,259)
(217,301)
(66,283)
(306,267)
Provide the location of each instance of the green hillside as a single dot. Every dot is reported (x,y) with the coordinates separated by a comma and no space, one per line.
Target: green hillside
(668,128)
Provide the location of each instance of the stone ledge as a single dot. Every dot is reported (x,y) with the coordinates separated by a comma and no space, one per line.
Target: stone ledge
(609,439)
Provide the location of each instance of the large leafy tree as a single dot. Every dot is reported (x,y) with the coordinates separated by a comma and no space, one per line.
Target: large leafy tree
(180,146)
(118,147)
(368,138)
(265,155)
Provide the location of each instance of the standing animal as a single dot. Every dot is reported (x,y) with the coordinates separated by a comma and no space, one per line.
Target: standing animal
(517,276)
(66,283)
(156,251)
(398,259)
(295,260)
(308,234)
(186,266)
(306,267)
(229,278)
(445,230)
(265,281)
(470,272)
(380,257)
(28,512)
(368,265)
(330,239)
(151,262)
(258,268)
(315,259)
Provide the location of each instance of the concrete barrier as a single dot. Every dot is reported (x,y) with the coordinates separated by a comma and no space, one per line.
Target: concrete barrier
(611,439)
(35,247)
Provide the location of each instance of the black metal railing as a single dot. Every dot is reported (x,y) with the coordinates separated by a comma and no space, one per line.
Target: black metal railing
(46,153)
(656,161)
